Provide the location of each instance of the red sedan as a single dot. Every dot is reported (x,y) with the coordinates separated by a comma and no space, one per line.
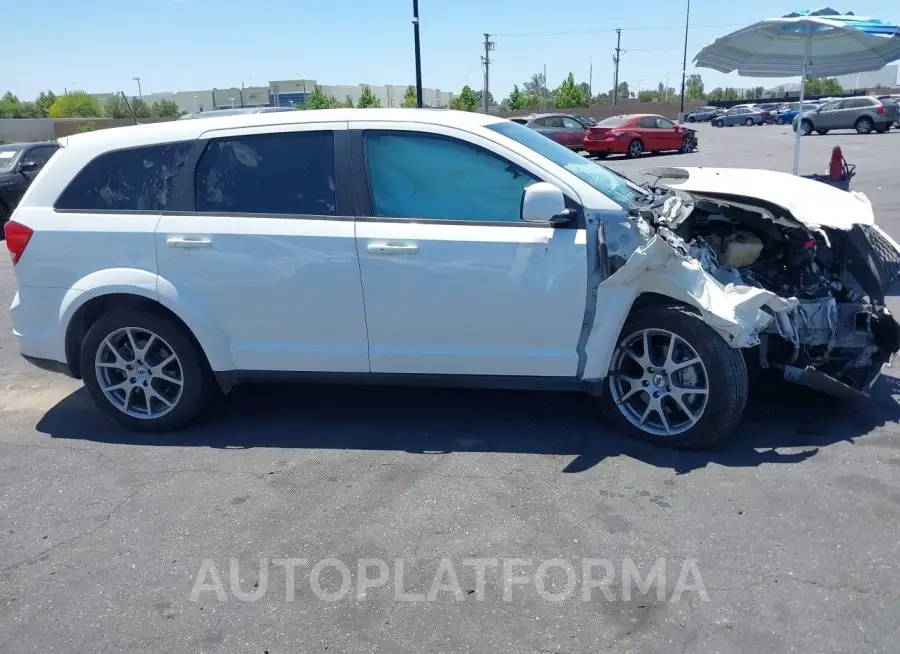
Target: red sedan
(634,134)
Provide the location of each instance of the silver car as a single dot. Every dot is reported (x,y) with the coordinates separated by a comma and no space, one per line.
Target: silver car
(742,115)
(864,114)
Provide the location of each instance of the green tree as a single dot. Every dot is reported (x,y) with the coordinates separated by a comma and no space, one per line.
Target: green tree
(44,101)
(76,104)
(467,100)
(823,86)
(536,85)
(717,93)
(480,95)
(693,87)
(569,94)
(348,102)
(516,99)
(317,100)
(409,98)
(9,105)
(367,99)
(140,108)
(165,108)
(114,107)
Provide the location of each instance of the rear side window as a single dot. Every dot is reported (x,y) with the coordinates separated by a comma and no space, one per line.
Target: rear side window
(136,179)
(281,173)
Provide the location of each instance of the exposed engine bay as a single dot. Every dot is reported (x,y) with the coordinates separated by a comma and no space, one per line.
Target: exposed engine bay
(838,332)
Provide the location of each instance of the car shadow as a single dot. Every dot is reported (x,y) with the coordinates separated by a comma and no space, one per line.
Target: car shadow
(428,421)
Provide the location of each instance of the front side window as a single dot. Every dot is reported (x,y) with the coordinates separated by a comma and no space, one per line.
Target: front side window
(135,179)
(665,123)
(416,175)
(286,173)
(8,158)
(41,155)
(647,122)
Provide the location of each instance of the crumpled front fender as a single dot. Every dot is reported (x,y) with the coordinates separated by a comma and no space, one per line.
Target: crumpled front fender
(734,312)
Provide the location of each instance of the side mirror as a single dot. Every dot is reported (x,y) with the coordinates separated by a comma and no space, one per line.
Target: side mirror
(543,202)
(29,165)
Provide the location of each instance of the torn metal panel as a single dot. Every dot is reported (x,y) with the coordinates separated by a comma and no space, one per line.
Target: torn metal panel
(736,312)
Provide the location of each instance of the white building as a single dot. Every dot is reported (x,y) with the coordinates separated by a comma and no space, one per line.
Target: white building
(887,76)
(286,93)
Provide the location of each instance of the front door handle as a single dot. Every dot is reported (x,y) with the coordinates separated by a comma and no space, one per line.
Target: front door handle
(383,247)
(186,242)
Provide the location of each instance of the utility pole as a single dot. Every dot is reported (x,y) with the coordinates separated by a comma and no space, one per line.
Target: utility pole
(687,22)
(486,60)
(138,80)
(415,21)
(616,59)
(590,79)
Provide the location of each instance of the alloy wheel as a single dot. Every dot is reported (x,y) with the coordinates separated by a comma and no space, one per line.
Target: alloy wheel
(635,148)
(139,373)
(659,382)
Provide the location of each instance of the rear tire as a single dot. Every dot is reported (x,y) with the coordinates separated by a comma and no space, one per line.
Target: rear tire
(749,122)
(177,391)
(864,125)
(635,149)
(720,370)
(718,123)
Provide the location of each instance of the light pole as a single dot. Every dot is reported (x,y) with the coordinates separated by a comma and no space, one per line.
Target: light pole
(667,86)
(232,102)
(196,110)
(415,22)
(687,22)
(138,80)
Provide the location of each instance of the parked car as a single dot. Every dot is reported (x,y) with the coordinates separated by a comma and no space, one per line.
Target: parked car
(864,114)
(163,264)
(704,114)
(234,111)
(587,121)
(634,134)
(787,112)
(895,98)
(562,128)
(741,115)
(19,164)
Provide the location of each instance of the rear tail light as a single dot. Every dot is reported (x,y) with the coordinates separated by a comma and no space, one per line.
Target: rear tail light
(17,237)
(880,110)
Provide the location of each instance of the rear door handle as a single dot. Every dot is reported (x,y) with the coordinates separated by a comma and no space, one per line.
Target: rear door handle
(185,242)
(382,247)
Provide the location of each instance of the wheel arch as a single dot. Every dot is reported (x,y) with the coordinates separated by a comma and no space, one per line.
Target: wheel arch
(83,309)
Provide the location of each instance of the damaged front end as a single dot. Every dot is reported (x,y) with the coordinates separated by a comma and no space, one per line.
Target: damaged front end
(814,298)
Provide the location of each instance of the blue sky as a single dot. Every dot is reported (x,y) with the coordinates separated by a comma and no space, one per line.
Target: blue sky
(100,45)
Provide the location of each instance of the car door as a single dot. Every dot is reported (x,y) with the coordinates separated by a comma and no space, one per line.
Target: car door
(669,134)
(648,129)
(553,128)
(261,241)
(454,282)
(574,133)
(828,116)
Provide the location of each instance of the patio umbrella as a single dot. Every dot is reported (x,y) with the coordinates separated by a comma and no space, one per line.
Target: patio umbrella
(820,43)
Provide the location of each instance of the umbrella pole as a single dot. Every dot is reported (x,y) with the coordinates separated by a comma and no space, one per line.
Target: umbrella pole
(802,93)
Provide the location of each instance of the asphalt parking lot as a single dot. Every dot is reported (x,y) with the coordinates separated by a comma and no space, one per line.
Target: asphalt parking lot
(793,522)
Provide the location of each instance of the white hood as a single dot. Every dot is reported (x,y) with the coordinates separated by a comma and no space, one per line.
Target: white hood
(812,203)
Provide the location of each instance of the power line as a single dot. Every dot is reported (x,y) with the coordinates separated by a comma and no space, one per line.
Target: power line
(624,29)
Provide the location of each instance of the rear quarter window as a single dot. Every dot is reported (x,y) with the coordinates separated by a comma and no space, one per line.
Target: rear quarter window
(134,179)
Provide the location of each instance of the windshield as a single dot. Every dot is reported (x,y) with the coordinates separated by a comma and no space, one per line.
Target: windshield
(7,158)
(613,186)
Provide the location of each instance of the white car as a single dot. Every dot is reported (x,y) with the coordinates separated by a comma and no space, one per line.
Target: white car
(165,263)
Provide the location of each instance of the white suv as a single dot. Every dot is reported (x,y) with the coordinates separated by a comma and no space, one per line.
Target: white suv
(164,263)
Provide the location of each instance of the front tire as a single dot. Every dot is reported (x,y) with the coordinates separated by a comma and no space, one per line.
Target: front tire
(719,123)
(144,372)
(687,145)
(673,381)
(748,122)
(806,127)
